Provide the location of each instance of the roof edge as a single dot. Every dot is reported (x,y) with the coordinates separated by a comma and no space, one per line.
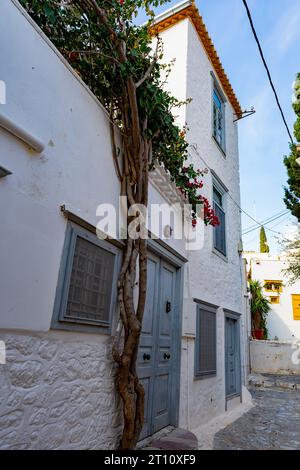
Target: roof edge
(188,9)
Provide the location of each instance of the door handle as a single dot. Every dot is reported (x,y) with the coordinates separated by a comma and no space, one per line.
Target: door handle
(167,356)
(146,357)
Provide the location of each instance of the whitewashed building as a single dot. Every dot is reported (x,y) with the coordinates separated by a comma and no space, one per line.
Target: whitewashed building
(283,321)
(57,384)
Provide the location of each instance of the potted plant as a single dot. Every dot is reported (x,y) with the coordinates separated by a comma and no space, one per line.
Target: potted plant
(260,307)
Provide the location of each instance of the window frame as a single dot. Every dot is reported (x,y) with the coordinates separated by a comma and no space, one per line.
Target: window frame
(273,282)
(220,188)
(216,88)
(62,291)
(202,374)
(294,297)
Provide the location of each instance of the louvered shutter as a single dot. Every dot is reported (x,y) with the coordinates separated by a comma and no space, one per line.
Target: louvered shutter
(206,342)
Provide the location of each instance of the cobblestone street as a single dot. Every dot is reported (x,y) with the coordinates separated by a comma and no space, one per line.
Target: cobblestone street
(273,423)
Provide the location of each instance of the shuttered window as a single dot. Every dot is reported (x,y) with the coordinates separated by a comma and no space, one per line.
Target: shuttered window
(91,284)
(87,283)
(206,344)
(219,230)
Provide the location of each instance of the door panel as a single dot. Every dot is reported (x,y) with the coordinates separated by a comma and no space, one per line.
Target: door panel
(155,361)
(232,357)
(164,359)
(147,349)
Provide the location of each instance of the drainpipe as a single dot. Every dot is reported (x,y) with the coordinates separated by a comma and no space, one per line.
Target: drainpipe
(18,131)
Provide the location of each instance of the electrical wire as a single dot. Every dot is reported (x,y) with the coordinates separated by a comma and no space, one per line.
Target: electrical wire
(248,242)
(265,223)
(194,147)
(267,69)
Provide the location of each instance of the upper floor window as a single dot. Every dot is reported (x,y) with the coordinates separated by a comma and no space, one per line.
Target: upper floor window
(273,286)
(219,230)
(218,118)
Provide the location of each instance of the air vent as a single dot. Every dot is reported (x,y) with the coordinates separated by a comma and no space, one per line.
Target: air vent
(4,172)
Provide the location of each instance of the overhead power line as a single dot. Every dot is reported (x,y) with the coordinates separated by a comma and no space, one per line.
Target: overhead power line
(194,148)
(267,69)
(248,242)
(263,221)
(272,219)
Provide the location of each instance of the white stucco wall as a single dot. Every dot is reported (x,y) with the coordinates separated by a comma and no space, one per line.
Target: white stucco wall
(58,392)
(280,322)
(56,388)
(175,43)
(208,276)
(275,357)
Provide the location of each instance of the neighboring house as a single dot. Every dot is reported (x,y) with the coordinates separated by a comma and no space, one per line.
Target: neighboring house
(58,279)
(283,320)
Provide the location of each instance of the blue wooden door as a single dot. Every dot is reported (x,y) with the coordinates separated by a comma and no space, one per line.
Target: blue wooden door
(232,357)
(161,413)
(156,352)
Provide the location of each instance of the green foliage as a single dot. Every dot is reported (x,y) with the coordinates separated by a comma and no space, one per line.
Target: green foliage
(264,247)
(292,247)
(260,307)
(292,192)
(84,42)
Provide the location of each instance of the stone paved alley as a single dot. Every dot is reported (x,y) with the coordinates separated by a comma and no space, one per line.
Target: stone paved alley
(273,422)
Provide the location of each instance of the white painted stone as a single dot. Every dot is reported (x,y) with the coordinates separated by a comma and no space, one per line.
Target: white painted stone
(71,412)
(275,357)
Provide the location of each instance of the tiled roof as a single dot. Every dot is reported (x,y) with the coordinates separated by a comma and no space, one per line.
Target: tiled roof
(190,11)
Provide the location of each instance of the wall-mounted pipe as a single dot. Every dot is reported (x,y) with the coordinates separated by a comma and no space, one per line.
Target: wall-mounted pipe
(18,131)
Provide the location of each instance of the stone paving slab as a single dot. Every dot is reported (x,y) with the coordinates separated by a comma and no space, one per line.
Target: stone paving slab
(177,439)
(273,423)
(291,382)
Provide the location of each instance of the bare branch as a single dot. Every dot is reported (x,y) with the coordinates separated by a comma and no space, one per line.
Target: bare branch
(114,152)
(150,68)
(99,53)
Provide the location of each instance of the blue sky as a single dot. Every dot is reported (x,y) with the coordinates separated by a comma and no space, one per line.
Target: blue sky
(263,139)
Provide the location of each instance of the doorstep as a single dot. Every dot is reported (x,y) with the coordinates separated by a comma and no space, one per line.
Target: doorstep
(172,439)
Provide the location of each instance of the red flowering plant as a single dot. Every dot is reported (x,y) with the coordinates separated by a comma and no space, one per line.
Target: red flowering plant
(190,182)
(171,149)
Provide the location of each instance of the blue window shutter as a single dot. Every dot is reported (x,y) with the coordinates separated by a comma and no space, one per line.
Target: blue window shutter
(220,230)
(206,343)
(91,284)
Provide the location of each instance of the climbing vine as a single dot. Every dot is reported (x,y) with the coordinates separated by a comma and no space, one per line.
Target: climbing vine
(121,64)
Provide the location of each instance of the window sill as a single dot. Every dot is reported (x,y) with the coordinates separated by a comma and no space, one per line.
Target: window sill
(205,376)
(77,327)
(233,395)
(220,255)
(219,146)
